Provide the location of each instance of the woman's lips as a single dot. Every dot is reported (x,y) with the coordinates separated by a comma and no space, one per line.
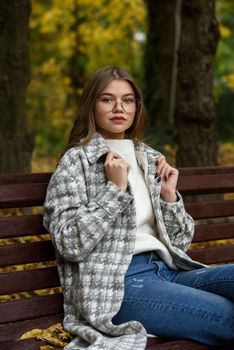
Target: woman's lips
(118,119)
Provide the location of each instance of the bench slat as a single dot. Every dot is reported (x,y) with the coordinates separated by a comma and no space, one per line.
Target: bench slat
(28,280)
(27,195)
(27,344)
(15,330)
(18,226)
(213,255)
(38,306)
(30,194)
(32,344)
(16,254)
(45,177)
(214,209)
(6,179)
(154,344)
(206,184)
(206,170)
(217,231)
(27,225)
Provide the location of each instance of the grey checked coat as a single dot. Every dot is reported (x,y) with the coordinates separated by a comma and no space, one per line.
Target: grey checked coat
(93,224)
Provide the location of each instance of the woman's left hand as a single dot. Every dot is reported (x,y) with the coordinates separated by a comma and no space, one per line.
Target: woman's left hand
(169,178)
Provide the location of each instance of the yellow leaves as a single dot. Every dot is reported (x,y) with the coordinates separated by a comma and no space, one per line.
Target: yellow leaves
(50,67)
(51,19)
(226,154)
(98,22)
(229,80)
(103,28)
(225,32)
(54,335)
(66,44)
(30,334)
(29,294)
(73,36)
(56,116)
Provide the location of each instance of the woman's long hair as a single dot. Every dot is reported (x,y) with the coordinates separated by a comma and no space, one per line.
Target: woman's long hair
(84,126)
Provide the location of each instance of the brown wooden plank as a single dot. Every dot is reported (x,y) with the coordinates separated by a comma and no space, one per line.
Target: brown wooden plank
(206,184)
(24,178)
(33,344)
(31,308)
(45,177)
(214,255)
(28,280)
(12,331)
(206,170)
(156,344)
(16,254)
(21,195)
(15,330)
(214,209)
(18,226)
(209,232)
(27,344)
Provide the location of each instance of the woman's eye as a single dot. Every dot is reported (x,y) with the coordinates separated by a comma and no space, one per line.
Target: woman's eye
(129,100)
(106,100)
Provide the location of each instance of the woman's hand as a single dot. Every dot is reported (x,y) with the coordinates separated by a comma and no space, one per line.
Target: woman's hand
(169,178)
(117,170)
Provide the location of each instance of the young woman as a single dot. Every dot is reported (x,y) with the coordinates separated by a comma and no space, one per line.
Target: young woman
(120,232)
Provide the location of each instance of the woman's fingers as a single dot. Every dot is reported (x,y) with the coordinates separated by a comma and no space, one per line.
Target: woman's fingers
(161,163)
(117,169)
(111,156)
(164,170)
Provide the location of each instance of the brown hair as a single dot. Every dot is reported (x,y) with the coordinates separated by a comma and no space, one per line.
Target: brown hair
(84,126)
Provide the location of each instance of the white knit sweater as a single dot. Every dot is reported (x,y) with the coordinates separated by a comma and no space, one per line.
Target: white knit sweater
(146,235)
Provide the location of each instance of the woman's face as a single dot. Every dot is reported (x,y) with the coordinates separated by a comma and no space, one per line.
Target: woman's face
(115,109)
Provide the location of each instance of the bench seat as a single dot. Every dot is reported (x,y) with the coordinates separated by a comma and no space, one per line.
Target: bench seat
(12,331)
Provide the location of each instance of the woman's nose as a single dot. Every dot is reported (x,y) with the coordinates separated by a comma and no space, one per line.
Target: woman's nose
(118,106)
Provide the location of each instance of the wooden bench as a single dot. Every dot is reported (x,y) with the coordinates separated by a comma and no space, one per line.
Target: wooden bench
(214,217)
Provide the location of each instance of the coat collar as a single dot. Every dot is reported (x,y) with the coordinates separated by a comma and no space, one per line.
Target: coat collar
(98,147)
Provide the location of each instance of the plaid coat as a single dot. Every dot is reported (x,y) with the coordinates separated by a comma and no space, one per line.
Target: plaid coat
(93,226)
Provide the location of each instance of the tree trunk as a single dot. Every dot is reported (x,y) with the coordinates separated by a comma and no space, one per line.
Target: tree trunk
(158,61)
(15,141)
(195,108)
(78,60)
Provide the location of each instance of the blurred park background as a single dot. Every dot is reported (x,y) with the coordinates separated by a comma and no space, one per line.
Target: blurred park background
(179,51)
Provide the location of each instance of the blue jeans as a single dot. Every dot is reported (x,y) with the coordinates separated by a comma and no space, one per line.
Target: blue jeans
(196,305)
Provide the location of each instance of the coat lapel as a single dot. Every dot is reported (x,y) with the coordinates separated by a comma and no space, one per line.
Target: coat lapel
(96,148)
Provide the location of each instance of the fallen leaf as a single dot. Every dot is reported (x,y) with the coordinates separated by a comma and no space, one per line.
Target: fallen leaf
(34,333)
(54,335)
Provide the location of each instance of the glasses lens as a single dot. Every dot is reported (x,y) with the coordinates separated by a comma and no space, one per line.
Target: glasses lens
(128,104)
(106,104)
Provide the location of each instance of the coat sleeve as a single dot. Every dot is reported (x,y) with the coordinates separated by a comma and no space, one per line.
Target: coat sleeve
(76,225)
(179,224)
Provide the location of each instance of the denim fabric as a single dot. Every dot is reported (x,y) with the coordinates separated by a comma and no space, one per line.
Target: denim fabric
(195,304)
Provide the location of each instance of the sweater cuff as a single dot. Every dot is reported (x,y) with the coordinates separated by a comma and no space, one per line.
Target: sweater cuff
(167,205)
(114,200)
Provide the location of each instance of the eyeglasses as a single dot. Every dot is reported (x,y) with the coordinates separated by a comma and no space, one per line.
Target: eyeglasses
(128,104)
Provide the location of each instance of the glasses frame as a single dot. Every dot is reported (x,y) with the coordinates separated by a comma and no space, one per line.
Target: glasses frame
(138,103)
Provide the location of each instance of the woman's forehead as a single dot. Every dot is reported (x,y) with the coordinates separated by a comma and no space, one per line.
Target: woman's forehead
(118,87)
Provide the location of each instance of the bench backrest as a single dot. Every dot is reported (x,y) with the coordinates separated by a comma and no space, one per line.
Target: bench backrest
(27,259)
